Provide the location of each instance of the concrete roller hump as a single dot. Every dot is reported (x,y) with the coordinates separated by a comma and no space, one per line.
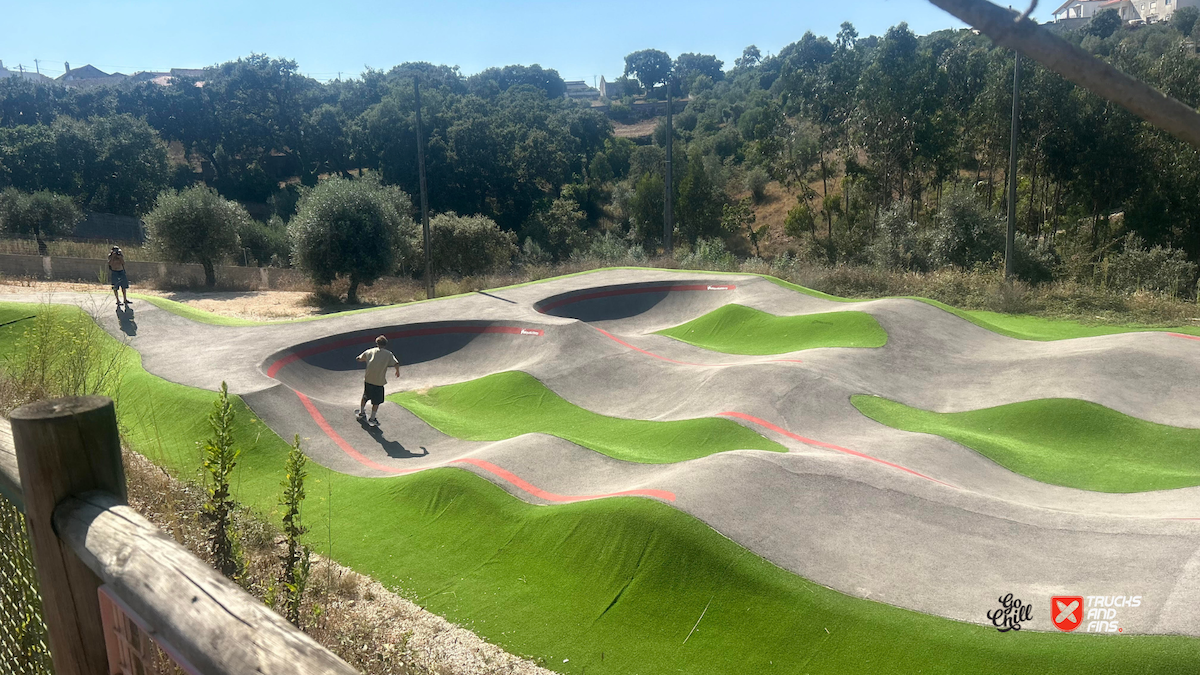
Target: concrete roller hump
(442,352)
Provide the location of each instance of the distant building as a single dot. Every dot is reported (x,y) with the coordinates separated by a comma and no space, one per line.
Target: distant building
(1142,11)
(1078,9)
(164,78)
(578,89)
(88,76)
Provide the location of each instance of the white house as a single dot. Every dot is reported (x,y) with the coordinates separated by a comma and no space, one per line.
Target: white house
(1147,11)
(1078,9)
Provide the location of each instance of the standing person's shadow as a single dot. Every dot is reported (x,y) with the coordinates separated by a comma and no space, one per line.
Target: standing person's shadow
(393,449)
(125,317)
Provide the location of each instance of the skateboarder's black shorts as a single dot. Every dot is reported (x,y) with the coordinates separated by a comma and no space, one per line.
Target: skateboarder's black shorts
(119,279)
(373,393)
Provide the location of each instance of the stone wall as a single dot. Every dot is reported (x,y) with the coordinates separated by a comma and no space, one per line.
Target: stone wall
(61,268)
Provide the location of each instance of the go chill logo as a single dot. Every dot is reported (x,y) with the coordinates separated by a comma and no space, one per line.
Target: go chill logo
(1096,613)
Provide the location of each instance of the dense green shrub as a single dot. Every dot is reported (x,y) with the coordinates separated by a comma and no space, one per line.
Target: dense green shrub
(620,112)
(899,244)
(41,214)
(613,250)
(707,254)
(1033,261)
(756,182)
(646,209)
(1162,269)
(557,230)
(965,232)
(266,243)
(357,229)
(196,225)
(468,245)
(533,254)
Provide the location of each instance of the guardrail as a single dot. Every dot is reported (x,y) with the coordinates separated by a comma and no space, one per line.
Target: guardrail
(119,595)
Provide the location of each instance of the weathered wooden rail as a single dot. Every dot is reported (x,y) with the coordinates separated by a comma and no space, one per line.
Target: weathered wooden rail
(110,578)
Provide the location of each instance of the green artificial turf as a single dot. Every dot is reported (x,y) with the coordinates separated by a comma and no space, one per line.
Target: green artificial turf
(736,329)
(1019,326)
(610,586)
(1061,441)
(508,404)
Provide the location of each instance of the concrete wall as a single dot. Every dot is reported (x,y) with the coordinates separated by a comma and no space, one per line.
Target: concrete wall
(61,268)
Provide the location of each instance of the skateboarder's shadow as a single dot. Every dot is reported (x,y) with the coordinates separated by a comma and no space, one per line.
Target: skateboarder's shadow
(128,325)
(394,449)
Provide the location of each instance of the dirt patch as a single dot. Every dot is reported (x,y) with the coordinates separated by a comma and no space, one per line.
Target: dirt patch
(642,129)
(259,305)
(255,305)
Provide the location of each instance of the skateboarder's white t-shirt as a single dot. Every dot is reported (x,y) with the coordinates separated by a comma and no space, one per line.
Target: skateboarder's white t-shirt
(378,361)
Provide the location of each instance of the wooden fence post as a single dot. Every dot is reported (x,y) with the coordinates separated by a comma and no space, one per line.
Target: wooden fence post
(66,447)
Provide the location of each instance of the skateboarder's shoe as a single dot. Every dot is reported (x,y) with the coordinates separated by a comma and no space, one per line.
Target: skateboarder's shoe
(373,422)
(360,415)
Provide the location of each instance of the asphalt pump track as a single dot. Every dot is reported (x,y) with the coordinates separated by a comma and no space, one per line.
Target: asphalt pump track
(912,520)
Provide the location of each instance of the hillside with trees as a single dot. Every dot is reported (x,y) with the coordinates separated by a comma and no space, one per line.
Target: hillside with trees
(884,152)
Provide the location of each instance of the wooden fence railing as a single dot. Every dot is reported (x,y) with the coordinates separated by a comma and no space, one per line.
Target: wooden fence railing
(112,584)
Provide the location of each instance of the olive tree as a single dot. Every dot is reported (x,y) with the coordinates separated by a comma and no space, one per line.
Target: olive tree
(41,214)
(196,225)
(356,229)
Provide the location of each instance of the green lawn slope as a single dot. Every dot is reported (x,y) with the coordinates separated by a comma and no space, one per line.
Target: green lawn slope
(614,586)
(1061,441)
(736,329)
(508,404)
(1019,326)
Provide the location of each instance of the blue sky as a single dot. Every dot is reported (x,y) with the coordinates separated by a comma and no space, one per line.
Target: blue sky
(580,40)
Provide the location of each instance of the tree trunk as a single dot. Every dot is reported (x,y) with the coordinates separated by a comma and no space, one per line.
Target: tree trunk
(210,273)
(824,194)
(1054,211)
(991,185)
(1033,176)
(352,293)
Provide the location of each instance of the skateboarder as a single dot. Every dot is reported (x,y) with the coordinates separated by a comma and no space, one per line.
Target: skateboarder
(116,274)
(378,360)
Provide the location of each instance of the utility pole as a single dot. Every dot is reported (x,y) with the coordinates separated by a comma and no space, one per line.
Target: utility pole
(669,187)
(1010,240)
(424,193)
(37,66)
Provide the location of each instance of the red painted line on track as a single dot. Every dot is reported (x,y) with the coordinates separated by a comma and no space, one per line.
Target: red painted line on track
(550,496)
(413,332)
(618,340)
(630,291)
(342,443)
(1184,336)
(500,473)
(829,446)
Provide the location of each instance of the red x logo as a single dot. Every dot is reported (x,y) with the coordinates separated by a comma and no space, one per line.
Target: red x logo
(1066,611)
